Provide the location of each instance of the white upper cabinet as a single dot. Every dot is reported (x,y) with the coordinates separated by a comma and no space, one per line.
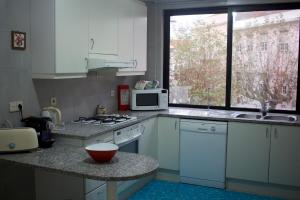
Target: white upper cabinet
(138,42)
(125,34)
(59,38)
(67,35)
(140,37)
(103,27)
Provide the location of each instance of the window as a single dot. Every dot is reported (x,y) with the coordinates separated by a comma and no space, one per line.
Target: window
(197,71)
(284,47)
(271,70)
(233,57)
(263,46)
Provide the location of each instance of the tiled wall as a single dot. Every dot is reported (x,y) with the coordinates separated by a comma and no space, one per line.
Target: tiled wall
(76,97)
(79,97)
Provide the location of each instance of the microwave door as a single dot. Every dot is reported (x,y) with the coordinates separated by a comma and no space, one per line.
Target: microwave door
(147,100)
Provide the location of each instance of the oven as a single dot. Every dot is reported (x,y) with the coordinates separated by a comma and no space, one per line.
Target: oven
(127,140)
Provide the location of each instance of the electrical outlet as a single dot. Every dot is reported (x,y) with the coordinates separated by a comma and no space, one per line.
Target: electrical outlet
(13,106)
(53,101)
(112,93)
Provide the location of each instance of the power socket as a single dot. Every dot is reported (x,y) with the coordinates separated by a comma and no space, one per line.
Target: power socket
(13,106)
(53,101)
(112,93)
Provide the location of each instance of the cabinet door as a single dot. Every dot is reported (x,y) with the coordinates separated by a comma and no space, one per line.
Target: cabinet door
(71,36)
(248,151)
(50,186)
(138,47)
(148,141)
(103,27)
(125,34)
(140,37)
(168,143)
(98,194)
(284,157)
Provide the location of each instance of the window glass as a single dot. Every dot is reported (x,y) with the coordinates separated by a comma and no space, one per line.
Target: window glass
(198,52)
(267,69)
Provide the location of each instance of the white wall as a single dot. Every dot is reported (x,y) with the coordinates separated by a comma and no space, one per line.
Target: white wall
(155,26)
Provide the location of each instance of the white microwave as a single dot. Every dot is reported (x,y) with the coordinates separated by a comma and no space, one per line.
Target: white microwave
(153,99)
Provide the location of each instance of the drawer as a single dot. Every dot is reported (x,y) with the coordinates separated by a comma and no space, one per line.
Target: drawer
(106,137)
(203,126)
(92,184)
(98,194)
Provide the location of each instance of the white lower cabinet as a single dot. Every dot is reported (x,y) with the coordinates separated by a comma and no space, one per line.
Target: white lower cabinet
(284,156)
(90,184)
(168,143)
(97,194)
(148,140)
(248,151)
(264,153)
(50,186)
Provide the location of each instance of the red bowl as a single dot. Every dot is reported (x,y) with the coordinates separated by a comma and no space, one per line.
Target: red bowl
(102,152)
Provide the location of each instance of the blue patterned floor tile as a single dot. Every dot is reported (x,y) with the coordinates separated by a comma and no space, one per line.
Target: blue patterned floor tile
(163,190)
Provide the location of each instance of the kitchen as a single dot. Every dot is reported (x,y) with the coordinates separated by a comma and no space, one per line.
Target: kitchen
(77,94)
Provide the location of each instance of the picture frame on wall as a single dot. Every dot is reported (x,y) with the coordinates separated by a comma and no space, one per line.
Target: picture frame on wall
(18,40)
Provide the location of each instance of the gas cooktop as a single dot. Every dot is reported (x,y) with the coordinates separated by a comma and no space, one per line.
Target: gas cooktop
(105,120)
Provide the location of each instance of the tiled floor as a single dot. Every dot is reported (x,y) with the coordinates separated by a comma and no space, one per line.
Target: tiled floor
(163,190)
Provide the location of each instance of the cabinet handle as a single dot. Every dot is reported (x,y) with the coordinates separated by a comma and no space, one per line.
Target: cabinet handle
(202,129)
(87,63)
(143,129)
(176,125)
(275,133)
(267,132)
(136,63)
(93,42)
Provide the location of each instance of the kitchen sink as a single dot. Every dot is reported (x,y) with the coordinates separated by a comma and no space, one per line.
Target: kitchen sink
(247,116)
(288,118)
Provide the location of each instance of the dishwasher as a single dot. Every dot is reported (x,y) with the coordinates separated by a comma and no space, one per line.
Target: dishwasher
(203,152)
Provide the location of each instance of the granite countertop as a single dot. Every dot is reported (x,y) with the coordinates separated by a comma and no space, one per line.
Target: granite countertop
(75,161)
(83,131)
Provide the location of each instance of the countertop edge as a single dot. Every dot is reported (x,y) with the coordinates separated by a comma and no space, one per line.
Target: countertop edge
(174,115)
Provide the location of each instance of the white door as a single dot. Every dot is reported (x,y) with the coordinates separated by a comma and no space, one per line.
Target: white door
(71,36)
(148,141)
(248,151)
(168,143)
(284,157)
(103,27)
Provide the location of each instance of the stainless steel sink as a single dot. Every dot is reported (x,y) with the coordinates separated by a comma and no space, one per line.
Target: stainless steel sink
(288,118)
(247,116)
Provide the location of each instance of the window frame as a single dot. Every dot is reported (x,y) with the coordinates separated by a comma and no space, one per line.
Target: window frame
(167,14)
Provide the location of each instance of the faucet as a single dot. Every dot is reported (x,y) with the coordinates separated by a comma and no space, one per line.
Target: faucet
(208,98)
(264,108)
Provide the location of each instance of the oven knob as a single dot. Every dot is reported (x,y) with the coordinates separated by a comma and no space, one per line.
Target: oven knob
(12,145)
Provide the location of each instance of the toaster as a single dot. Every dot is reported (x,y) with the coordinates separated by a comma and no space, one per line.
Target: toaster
(18,139)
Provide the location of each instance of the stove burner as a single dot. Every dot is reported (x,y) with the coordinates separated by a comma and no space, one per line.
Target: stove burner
(106,120)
